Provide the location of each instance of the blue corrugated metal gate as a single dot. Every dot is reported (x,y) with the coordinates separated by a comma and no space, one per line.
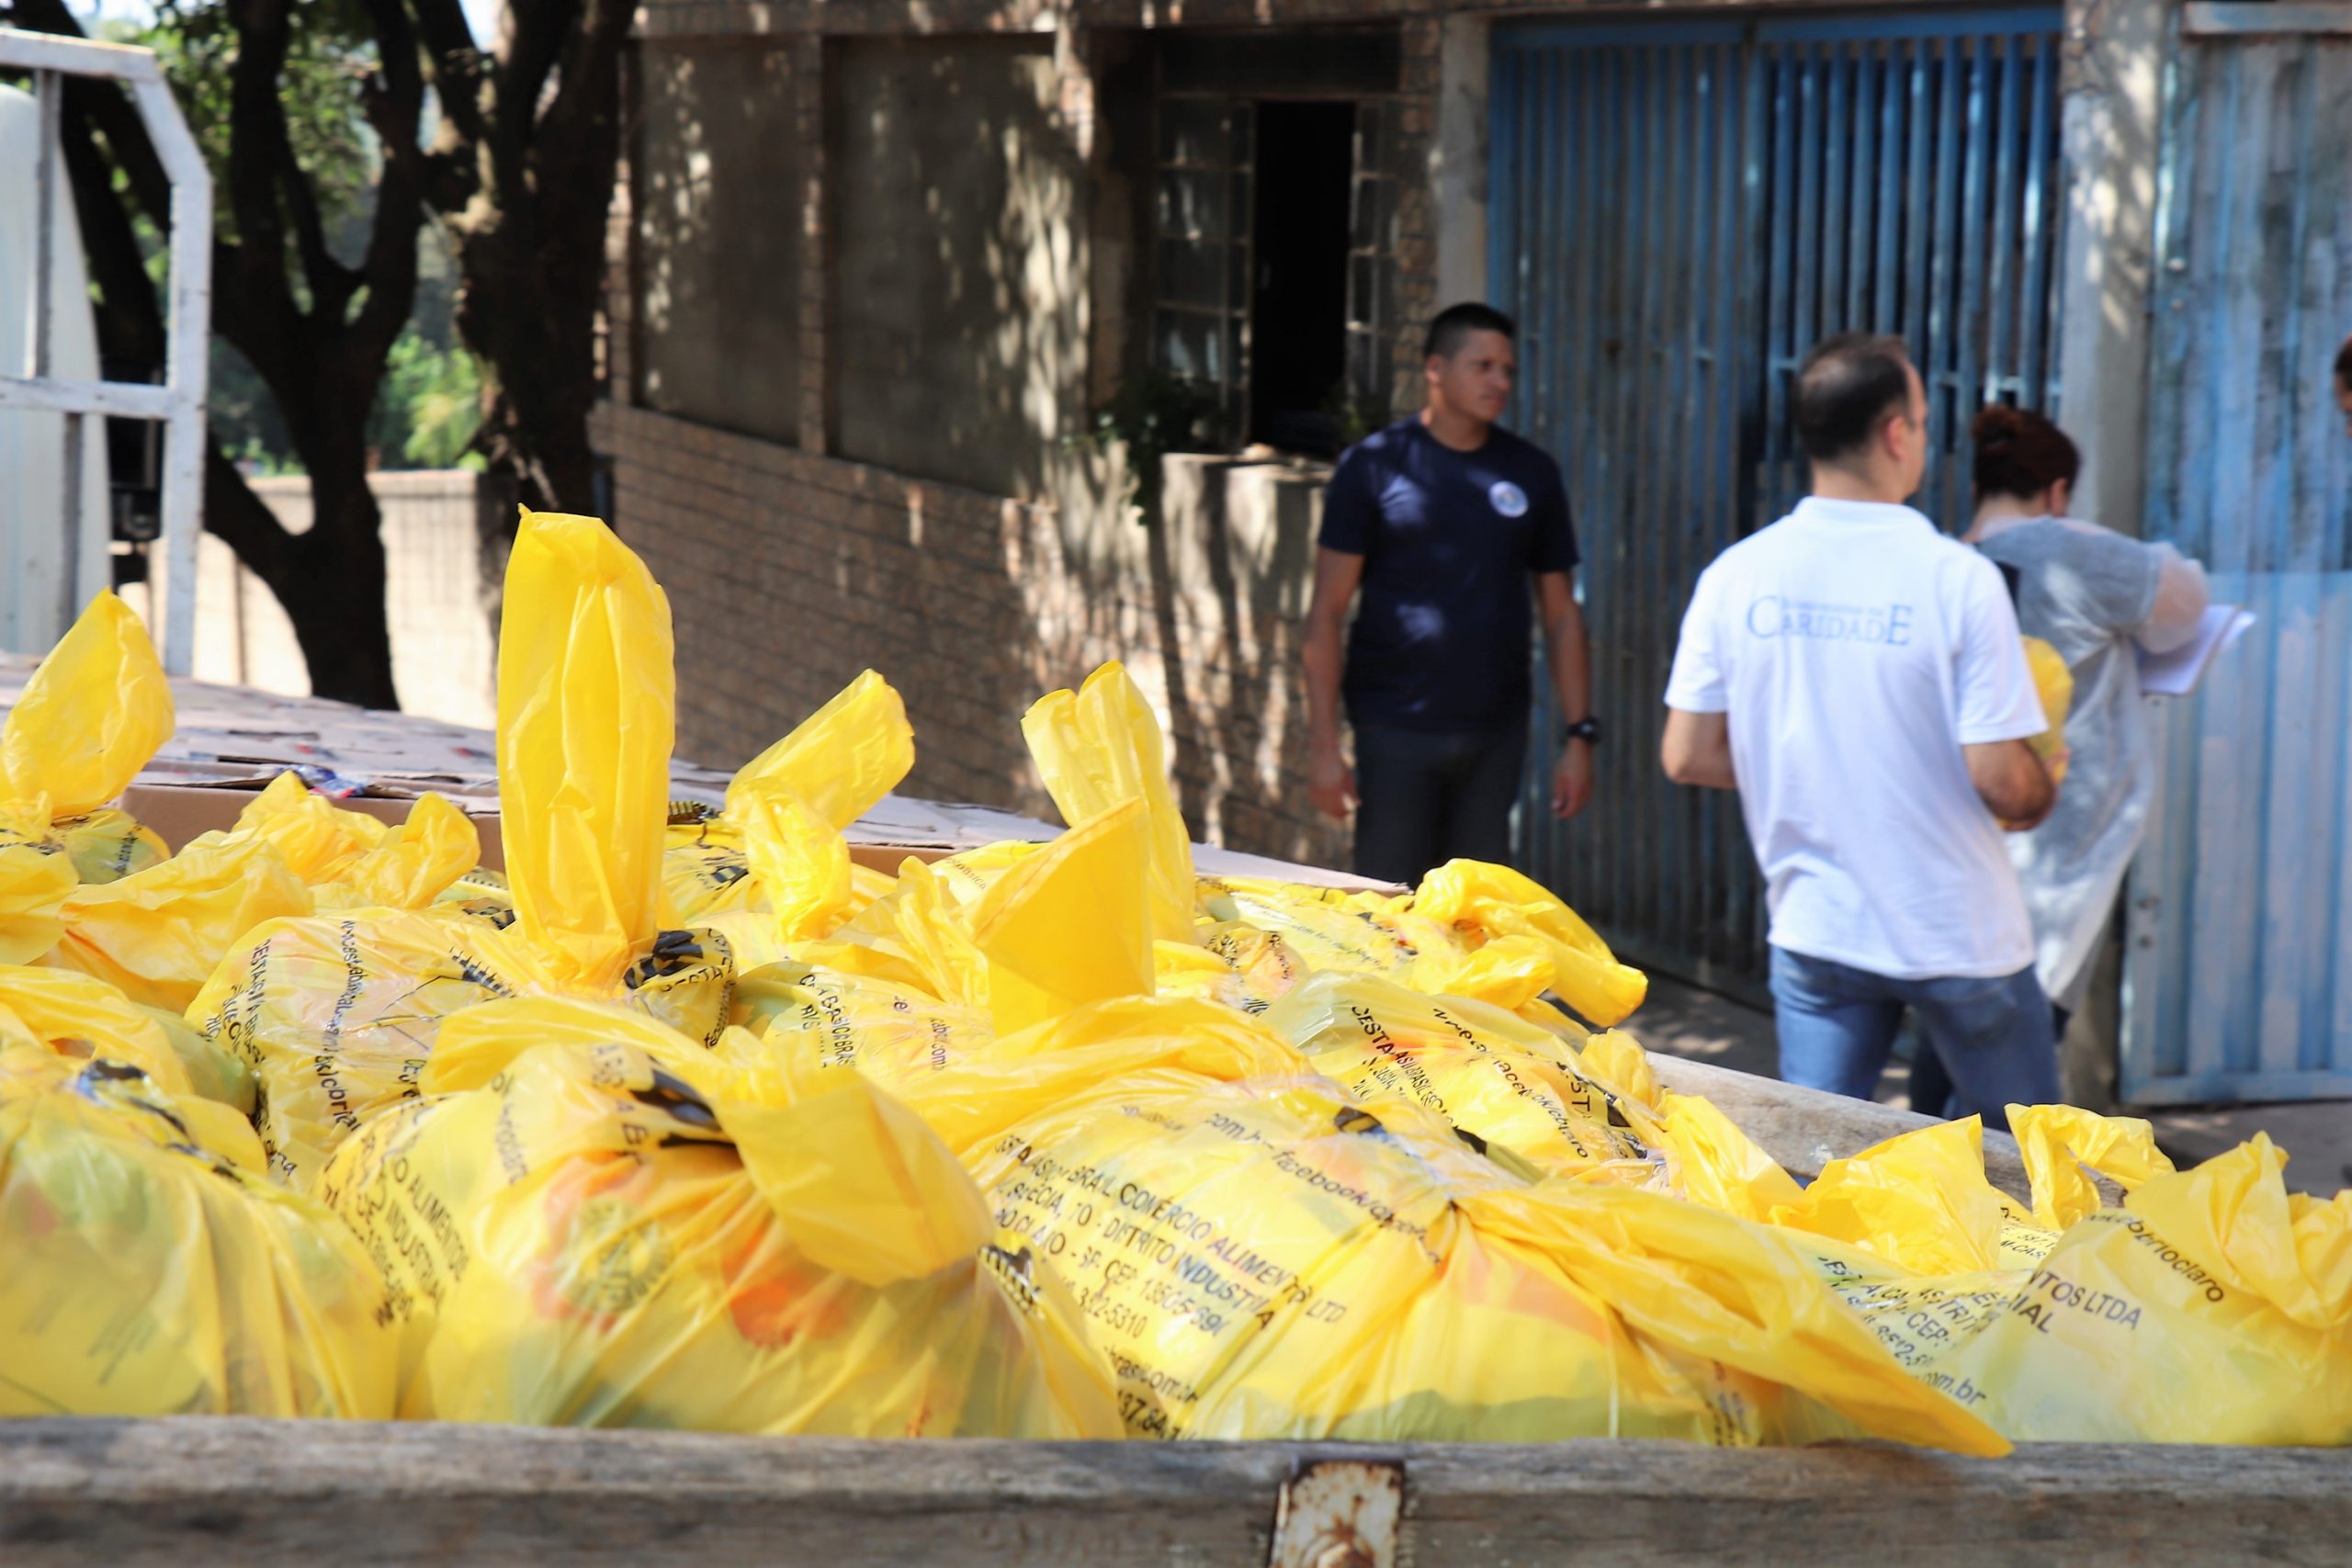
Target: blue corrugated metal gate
(1680,210)
(2238,966)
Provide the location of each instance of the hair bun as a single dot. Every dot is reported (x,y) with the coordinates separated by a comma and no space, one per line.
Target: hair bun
(2019,453)
(1997,426)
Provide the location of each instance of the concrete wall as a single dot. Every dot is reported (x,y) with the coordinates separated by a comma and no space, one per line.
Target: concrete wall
(1458,163)
(717,168)
(2113,90)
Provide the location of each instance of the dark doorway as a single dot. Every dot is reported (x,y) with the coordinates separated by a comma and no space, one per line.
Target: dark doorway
(1298,346)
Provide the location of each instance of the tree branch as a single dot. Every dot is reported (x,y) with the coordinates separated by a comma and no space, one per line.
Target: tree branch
(536,31)
(240,520)
(586,90)
(257,258)
(395,102)
(456,64)
(332,283)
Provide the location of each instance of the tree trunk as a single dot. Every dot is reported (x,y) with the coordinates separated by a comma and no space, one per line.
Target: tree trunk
(338,608)
(329,580)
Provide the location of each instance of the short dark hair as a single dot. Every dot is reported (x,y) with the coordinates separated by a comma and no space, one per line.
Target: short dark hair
(1452,325)
(2019,453)
(1846,388)
(2343,362)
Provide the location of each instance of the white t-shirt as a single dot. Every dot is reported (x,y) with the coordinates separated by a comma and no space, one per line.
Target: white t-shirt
(1856,650)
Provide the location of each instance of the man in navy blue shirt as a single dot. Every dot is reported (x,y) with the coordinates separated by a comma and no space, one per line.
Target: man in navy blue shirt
(1446,523)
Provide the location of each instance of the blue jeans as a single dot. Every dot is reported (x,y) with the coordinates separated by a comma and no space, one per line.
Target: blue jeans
(1837,1026)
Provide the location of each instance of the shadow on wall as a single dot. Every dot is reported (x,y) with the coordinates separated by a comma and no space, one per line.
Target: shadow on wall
(1231,568)
(717,188)
(961,265)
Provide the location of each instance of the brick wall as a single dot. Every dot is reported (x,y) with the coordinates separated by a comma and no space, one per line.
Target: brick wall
(789,572)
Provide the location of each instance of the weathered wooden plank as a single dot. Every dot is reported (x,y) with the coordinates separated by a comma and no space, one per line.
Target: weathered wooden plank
(1804,1129)
(264,1493)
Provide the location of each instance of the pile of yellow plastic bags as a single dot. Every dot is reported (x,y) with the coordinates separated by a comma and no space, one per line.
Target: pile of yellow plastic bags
(691,1121)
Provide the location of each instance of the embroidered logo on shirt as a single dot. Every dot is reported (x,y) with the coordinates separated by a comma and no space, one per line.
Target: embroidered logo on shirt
(1508,498)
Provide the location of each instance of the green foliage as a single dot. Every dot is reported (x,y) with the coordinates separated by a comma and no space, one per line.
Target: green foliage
(430,407)
(328,51)
(1153,414)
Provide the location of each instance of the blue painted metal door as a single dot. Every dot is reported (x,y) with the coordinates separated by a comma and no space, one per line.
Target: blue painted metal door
(1680,210)
(2238,962)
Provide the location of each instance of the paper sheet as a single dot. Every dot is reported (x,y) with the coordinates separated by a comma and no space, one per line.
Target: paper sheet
(2175,674)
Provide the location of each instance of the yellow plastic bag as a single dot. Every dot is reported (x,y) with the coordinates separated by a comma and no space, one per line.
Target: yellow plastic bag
(857,1021)
(1233,963)
(78,1017)
(1023,931)
(93,712)
(337,1014)
(1324,928)
(803,793)
(587,1239)
(1099,746)
(916,935)
(1273,932)
(1919,1201)
(1070,925)
(1264,1256)
(348,859)
(2056,1142)
(966,876)
(151,1273)
(1711,1161)
(107,845)
(157,934)
(842,759)
(1492,903)
(2054,684)
(587,700)
(2214,1307)
(1481,1069)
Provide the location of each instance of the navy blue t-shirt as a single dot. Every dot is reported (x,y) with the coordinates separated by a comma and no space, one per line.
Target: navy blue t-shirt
(1449,541)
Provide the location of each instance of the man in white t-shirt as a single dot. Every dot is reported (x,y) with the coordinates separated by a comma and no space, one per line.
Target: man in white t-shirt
(1857,676)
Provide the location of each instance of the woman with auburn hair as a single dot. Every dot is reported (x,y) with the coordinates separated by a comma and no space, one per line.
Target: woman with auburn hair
(2098,598)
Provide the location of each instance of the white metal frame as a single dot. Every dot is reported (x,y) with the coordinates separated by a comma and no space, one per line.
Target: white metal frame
(178,403)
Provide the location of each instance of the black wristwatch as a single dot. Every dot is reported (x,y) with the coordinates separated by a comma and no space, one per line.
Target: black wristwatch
(1588,729)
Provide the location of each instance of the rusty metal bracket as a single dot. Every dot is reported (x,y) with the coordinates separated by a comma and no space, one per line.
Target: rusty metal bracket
(1339,1514)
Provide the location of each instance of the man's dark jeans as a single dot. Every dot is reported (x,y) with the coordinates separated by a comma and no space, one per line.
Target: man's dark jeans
(1424,800)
